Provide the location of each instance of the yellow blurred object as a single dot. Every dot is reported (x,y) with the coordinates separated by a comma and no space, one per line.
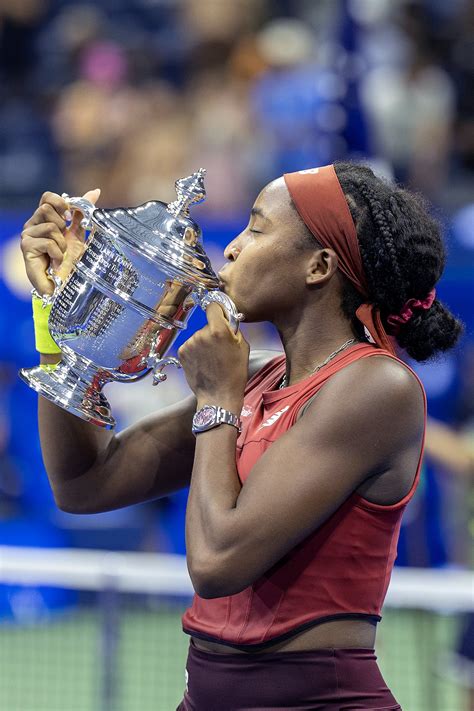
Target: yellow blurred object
(43,340)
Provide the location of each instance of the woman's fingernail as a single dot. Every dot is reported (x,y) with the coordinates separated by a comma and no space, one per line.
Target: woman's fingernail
(68,215)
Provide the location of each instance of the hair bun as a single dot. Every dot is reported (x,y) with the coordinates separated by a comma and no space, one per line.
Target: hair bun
(428,332)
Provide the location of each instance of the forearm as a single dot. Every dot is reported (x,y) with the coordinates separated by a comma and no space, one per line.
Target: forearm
(215,486)
(69,445)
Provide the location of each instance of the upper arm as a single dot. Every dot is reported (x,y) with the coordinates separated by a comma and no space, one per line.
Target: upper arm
(355,428)
(150,459)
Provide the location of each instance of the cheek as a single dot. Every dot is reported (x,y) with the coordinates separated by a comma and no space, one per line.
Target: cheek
(263,286)
(261,259)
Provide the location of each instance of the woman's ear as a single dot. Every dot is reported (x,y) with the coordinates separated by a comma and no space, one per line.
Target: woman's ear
(321,266)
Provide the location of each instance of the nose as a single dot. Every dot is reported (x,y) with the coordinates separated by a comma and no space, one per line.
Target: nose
(232,251)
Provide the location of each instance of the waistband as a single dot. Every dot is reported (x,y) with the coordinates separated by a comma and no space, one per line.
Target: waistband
(310,655)
(311,680)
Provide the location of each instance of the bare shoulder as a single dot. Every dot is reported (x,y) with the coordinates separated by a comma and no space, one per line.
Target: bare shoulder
(389,381)
(259,358)
(377,390)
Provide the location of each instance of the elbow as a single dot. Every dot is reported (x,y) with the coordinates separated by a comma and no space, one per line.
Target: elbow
(212,577)
(68,506)
(208,588)
(73,504)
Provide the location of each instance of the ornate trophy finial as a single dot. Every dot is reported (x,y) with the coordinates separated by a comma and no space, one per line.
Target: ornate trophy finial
(190,191)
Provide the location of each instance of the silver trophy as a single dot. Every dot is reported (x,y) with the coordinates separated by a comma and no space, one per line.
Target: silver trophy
(141,275)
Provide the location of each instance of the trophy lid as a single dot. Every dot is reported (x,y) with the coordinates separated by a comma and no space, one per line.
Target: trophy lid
(165,233)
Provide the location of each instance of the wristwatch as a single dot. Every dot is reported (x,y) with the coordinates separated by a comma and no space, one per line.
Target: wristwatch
(211,416)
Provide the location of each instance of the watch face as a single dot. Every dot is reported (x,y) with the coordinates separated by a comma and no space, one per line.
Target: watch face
(206,416)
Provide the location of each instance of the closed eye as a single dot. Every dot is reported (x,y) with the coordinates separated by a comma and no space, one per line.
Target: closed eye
(257,232)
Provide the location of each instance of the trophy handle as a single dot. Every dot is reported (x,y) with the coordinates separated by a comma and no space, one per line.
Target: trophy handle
(233,316)
(204,299)
(158,375)
(83,205)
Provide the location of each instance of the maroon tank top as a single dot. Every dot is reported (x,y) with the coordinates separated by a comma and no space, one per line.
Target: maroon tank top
(340,570)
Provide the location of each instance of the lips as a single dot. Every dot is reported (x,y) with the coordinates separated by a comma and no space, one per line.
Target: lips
(221,282)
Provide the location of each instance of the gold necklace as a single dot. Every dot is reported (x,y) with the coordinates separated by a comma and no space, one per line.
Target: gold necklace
(284,382)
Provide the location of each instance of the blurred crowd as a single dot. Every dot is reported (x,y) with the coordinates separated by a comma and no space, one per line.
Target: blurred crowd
(129,95)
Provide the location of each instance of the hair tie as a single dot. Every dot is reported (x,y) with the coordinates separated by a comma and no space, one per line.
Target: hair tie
(406,314)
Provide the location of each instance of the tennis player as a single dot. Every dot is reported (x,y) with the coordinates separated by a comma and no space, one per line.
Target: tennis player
(300,465)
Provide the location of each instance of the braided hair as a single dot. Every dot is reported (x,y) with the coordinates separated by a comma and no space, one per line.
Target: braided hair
(403,257)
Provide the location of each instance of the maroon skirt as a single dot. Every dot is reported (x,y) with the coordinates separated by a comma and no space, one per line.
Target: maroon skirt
(320,680)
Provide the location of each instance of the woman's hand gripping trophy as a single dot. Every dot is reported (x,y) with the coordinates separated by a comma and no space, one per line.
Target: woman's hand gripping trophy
(53,238)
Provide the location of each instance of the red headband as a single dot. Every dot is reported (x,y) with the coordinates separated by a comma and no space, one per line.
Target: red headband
(320,201)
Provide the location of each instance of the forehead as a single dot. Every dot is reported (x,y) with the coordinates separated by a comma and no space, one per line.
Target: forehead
(275,203)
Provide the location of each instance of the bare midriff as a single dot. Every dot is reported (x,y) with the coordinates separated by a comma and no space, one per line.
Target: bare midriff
(337,634)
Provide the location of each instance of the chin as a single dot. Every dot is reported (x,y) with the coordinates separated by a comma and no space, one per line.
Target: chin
(241,304)
(238,301)
(250,315)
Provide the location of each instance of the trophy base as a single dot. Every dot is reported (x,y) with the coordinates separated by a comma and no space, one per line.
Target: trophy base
(67,388)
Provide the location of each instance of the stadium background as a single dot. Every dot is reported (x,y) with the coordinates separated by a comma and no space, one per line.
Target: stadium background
(128,96)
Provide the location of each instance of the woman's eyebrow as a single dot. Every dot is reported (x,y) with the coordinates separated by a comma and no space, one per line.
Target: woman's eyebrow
(257,212)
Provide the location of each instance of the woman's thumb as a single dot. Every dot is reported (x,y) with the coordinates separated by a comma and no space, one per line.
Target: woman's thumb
(92,195)
(75,229)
